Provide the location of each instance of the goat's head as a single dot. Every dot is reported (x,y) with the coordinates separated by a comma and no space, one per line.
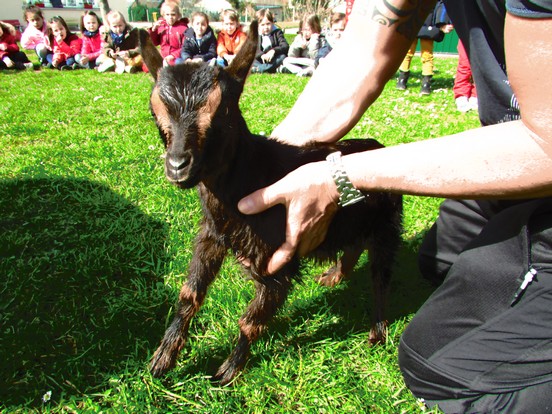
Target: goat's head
(196,110)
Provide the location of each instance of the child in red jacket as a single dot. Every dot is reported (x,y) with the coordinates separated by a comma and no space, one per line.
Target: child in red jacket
(169,32)
(65,45)
(92,46)
(10,55)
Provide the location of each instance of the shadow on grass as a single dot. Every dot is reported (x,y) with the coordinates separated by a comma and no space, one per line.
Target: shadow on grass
(438,80)
(351,303)
(82,297)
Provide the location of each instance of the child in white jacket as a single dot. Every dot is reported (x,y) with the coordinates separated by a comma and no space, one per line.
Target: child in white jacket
(303,50)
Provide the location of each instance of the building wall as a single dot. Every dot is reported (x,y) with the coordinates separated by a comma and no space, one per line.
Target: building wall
(11,10)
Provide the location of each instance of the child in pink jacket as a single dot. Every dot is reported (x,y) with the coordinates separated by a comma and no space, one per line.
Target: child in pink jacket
(92,46)
(169,32)
(35,36)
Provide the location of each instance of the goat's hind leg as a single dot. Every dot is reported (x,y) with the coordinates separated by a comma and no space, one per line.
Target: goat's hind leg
(270,294)
(206,262)
(382,254)
(344,266)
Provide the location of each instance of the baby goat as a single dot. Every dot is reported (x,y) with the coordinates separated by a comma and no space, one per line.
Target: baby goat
(209,146)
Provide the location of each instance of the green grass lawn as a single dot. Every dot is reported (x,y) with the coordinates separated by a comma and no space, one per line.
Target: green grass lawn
(95,243)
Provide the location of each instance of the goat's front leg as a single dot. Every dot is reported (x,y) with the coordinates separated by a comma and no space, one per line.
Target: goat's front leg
(344,266)
(269,297)
(206,262)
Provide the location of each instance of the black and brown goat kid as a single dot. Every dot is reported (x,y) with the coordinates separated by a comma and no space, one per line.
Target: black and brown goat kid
(209,146)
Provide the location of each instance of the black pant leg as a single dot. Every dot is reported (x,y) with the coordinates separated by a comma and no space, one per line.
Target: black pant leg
(468,349)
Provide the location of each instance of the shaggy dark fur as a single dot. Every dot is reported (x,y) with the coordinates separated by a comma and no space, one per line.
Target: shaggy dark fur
(209,146)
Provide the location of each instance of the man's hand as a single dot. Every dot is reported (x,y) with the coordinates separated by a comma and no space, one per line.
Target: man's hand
(310,197)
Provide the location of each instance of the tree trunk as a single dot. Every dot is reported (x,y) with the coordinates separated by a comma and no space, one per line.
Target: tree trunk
(104,9)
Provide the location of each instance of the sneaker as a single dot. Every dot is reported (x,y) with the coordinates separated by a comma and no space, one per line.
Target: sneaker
(402,80)
(426,86)
(66,67)
(462,104)
(282,69)
(76,66)
(305,72)
(473,103)
(23,66)
(131,69)
(106,66)
(119,66)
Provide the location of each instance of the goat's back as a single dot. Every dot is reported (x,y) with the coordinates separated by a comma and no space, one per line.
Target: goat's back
(263,161)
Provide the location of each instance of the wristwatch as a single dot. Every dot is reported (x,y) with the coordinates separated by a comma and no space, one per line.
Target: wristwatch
(348,194)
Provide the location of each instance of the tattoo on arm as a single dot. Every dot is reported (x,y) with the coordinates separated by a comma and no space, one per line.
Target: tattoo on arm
(407,16)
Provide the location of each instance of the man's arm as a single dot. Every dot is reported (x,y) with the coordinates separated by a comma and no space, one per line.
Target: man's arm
(507,160)
(342,89)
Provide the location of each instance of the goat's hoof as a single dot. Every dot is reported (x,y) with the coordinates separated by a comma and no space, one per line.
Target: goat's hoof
(159,368)
(330,277)
(226,373)
(162,361)
(378,333)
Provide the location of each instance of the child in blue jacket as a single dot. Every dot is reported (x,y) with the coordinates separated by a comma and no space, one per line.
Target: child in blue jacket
(273,46)
(200,42)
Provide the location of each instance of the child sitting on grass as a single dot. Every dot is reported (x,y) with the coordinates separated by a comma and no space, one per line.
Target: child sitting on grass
(91,40)
(338,21)
(200,43)
(273,46)
(169,32)
(65,45)
(230,39)
(10,55)
(303,50)
(121,50)
(35,36)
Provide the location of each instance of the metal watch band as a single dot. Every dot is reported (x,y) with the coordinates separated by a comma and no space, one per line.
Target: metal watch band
(348,194)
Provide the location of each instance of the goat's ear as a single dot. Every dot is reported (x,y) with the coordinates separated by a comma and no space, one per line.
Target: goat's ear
(150,54)
(240,66)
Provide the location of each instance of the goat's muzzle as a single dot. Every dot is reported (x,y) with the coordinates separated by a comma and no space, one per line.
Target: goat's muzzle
(178,170)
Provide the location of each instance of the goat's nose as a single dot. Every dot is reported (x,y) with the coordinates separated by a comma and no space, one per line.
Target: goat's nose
(178,163)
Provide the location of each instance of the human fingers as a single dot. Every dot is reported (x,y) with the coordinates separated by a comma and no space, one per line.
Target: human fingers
(307,222)
(280,257)
(259,200)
